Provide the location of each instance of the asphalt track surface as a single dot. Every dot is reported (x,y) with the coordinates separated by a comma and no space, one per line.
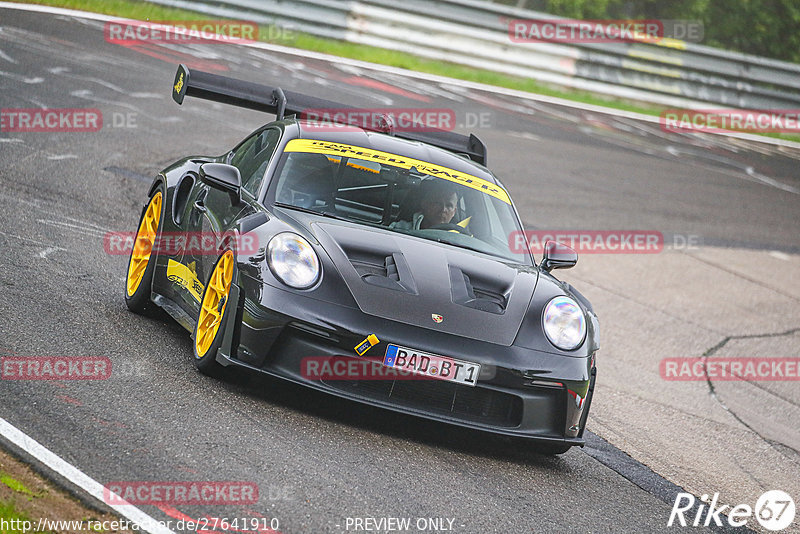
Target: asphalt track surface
(317,460)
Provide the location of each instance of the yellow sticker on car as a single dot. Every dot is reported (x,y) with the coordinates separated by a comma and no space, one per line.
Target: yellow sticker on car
(184,276)
(339,149)
(179,85)
(367,344)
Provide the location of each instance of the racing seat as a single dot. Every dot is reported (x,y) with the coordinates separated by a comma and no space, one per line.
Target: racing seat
(410,204)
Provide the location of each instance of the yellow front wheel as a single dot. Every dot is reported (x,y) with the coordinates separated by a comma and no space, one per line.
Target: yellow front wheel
(208,334)
(140,269)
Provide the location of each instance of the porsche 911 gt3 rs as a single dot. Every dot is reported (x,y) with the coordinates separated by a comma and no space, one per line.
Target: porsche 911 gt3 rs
(368,263)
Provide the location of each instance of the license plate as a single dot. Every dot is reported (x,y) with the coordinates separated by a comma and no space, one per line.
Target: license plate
(432,365)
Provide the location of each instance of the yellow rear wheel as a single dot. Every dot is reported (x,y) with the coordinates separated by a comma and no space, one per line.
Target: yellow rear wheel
(143,246)
(212,309)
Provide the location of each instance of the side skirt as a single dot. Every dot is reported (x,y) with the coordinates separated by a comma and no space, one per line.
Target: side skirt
(175,311)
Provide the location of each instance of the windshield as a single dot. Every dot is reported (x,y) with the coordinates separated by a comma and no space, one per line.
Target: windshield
(397,193)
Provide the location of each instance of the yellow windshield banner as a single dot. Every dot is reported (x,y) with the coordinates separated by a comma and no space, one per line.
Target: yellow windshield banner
(338,149)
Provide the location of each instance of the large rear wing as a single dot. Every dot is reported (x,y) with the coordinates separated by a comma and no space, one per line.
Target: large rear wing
(281,103)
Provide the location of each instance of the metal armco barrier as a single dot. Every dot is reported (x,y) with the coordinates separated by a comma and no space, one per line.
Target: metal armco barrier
(475,33)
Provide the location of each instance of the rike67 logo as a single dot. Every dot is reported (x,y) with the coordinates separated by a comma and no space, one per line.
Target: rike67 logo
(774,510)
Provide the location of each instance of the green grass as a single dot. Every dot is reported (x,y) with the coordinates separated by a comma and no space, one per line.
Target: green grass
(9,513)
(146,11)
(14,484)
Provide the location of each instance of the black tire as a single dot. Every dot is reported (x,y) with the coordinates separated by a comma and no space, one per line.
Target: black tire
(206,362)
(139,300)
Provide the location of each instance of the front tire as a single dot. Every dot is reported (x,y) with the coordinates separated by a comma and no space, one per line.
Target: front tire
(141,264)
(207,332)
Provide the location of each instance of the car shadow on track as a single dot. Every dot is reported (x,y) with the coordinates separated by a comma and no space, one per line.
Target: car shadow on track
(396,425)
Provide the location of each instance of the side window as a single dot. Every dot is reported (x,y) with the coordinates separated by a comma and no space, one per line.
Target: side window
(253,156)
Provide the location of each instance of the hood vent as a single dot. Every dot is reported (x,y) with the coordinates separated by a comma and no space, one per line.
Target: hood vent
(389,272)
(476,293)
(408,280)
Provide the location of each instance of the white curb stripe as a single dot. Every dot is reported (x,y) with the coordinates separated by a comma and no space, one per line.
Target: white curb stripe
(78,477)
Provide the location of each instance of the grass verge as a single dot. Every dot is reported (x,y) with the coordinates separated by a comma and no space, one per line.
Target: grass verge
(25,496)
(12,518)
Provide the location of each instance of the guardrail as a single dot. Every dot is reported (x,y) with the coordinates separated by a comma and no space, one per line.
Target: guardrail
(475,33)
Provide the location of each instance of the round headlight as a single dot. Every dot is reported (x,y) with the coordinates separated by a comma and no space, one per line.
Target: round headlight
(292,260)
(564,323)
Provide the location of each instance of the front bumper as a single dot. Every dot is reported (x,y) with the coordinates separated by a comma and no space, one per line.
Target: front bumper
(520,392)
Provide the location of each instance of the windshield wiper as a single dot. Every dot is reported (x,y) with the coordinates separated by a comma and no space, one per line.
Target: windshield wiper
(459,245)
(309,210)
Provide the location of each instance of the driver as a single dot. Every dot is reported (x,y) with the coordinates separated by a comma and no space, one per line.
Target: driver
(438,203)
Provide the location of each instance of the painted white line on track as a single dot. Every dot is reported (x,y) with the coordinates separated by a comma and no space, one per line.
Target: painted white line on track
(418,75)
(78,477)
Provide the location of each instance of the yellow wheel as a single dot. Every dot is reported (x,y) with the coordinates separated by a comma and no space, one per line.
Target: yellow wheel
(207,334)
(140,268)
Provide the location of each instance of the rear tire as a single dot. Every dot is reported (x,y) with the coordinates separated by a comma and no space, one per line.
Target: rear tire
(141,264)
(213,306)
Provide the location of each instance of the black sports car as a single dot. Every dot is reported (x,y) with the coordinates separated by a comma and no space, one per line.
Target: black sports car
(369,263)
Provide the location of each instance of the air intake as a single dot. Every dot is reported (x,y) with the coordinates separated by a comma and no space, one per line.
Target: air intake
(475,293)
(391,273)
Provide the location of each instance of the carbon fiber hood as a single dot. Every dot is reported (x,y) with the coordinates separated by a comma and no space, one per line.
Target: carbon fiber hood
(427,284)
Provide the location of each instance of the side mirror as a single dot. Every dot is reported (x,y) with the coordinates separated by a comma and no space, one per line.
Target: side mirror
(558,256)
(223,177)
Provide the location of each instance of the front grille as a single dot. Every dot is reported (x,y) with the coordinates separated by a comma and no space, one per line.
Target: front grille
(473,404)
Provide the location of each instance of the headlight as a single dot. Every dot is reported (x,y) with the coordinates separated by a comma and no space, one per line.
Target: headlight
(292,260)
(564,323)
